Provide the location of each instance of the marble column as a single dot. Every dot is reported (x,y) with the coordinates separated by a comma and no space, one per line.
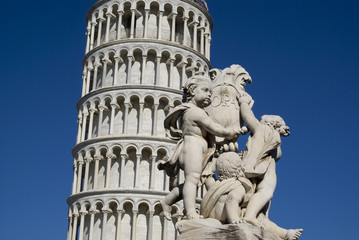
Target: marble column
(100,118)
(160,16)
(165,229)
(108,24)
(93,25)
(202,40)
(185,29)
(155,119)
(128,106)
(134,224)
(84,79)
(153,169)
(146,23)
(79,130)
(184,75)
(93,212)
(82,220)
(100,20)
(85,114)
(74,227)
(173,28)
(158,70)
(88,78)
(104,70)
(118,224)
(122,170)
(79,175)
(87,169)
(109,157)
(209,47)
(115,73)
(129,69)
(137,171)
(140,122)
(114,106)
(143,75)
(95,75)
(98,158)
(119,24)
(206,44)
(74,182)
(195,33)
(69,230)
(88,37)
(172,61)
(92,112)
(133,19)
(150,225)
(105,213)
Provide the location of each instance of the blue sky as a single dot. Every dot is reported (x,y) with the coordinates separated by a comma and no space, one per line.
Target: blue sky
(303,57)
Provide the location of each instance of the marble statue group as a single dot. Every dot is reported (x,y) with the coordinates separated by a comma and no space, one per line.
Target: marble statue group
(240,185)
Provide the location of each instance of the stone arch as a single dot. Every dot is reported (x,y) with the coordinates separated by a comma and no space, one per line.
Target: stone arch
(122,71)
(162,112)
(164,68)
(140,20)
(143,220)
(133,115)
(153,22)
(150,68)
(148,115)
(137,66)
(126,226)
(158,221)
(118,125)
(160,176)
(130,166)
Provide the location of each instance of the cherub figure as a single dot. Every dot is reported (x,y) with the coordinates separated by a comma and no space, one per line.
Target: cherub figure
(196,143)
(227,198)
(262,153)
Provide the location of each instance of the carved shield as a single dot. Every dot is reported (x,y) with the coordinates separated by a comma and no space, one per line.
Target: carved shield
(228,84)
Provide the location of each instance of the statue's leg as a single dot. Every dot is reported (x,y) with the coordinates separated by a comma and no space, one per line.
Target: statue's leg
(174,196)
(231,206)
(264,193)
(290,234)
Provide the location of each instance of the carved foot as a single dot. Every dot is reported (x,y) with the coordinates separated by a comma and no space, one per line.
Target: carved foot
(167,209)
(192,215)
(253,221)
(293,234)
(238,221)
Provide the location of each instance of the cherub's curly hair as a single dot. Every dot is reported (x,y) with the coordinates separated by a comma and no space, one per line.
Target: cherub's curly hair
(192,83)
(229,165)
(274,121)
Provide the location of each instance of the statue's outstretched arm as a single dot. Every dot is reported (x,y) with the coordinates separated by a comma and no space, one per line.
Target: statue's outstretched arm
(248,117)
(203,120)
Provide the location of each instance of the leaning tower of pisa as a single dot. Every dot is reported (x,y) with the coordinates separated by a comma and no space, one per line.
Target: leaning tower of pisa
(138,55)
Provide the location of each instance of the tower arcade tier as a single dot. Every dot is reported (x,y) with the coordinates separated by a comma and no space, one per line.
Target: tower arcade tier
(138,55)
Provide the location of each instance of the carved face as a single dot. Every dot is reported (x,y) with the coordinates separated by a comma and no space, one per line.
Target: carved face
(283,130)
(202,94)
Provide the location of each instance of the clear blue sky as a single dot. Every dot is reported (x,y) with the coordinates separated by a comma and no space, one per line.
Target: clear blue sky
(303,57)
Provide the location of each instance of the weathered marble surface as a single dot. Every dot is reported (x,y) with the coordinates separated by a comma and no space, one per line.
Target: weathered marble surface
(213,229)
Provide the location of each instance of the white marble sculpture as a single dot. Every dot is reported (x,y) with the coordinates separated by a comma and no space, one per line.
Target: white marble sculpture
(196,143)
(207,126)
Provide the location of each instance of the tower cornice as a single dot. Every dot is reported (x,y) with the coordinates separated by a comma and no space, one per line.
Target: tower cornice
(194,4)
(148,41)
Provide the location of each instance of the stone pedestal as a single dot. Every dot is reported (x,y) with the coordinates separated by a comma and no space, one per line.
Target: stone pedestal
(212,229)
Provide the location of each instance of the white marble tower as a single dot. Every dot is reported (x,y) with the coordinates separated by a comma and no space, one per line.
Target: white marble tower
(138,54)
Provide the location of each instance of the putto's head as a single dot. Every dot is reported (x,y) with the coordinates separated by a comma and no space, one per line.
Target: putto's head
(229,165)
(198,89)
(277,123)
